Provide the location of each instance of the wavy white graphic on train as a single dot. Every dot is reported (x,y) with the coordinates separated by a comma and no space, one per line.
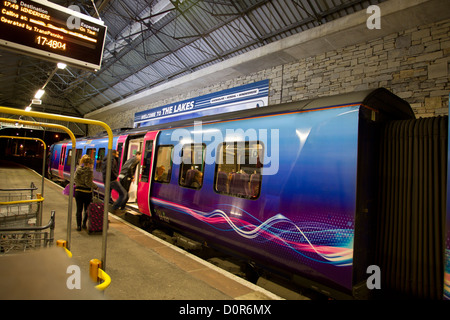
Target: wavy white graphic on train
(319,242)
(447,276)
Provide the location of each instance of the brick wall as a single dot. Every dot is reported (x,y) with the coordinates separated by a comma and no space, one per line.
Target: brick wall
(414,64)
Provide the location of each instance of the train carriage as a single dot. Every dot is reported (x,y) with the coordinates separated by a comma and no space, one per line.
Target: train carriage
(293,187)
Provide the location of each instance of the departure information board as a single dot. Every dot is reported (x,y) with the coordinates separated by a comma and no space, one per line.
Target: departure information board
(44,29)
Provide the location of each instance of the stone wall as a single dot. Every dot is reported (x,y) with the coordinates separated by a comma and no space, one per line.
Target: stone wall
(414,64)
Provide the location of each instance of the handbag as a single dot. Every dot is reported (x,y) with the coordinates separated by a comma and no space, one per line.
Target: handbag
(66,190)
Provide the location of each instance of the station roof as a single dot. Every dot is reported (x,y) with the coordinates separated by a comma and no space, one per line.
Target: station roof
(152,42)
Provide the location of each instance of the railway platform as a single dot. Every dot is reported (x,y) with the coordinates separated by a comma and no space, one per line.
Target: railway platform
(141,266)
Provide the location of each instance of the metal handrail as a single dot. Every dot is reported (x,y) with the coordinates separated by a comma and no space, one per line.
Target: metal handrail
(21,189)
(22,201)
(32,188)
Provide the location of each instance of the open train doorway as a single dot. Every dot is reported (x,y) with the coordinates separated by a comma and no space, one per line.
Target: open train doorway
(134,146)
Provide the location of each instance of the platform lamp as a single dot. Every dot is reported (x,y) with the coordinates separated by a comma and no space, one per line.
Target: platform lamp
(36,99)
(41,91)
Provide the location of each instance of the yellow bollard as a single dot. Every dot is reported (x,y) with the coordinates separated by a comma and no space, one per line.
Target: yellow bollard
(94,265)
(63,244)
(98,275)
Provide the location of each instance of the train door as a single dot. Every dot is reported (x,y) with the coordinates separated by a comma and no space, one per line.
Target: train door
(143,188)
(134,145)
(61,161)
(54,160)
(67,163)
(120,143)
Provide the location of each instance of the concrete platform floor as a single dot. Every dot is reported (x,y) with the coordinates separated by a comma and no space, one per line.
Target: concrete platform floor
(140,265)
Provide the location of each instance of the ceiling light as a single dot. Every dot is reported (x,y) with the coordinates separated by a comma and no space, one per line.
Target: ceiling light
(39,94)
(62,65)
(28,108)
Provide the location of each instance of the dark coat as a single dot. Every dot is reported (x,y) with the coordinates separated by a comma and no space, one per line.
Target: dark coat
(114,168)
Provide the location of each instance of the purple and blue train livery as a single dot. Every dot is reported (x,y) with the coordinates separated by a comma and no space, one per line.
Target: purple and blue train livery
(304,216)
(61,154)
(289,187)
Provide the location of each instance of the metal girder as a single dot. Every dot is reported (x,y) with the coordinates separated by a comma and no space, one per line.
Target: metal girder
(144,35)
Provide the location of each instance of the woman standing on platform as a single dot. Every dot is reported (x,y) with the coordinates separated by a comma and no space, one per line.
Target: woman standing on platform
(83,188)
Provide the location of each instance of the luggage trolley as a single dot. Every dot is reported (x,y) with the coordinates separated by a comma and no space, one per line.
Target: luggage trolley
(17,239)
(19,207)
(19,212)
(23,206)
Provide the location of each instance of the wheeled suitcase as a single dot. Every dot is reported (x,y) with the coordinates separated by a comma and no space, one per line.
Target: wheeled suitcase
(95,215)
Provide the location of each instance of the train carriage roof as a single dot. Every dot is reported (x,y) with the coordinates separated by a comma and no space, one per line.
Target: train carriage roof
(379,99)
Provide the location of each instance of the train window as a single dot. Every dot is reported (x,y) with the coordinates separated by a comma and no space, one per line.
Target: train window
(163,164)
(69,158)
(119,150)
(238,169)
(91,153)
(78,156)
(100,156)
(147,160)
(192,166)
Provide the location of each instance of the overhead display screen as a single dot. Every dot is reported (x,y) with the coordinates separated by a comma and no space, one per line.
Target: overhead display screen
(44,29)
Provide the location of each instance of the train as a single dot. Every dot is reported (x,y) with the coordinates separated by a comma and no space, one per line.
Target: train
(298,189)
